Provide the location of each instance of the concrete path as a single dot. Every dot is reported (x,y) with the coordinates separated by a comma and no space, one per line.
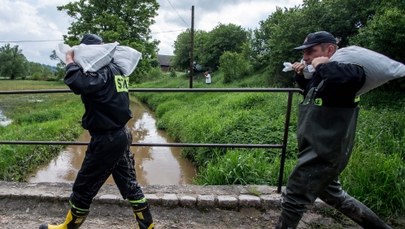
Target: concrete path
(26,206)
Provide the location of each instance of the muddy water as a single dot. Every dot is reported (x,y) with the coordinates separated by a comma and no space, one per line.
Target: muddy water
(153,165)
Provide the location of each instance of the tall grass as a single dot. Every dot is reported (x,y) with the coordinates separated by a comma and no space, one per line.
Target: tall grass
(375,174)
(247,118)
(242,167)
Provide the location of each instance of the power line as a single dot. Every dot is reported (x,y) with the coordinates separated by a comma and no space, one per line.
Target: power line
(177,13)
(170,31)
(28,41)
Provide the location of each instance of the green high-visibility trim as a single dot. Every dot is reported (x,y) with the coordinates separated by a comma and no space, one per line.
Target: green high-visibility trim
(143,200)
(318,101)
(79,209)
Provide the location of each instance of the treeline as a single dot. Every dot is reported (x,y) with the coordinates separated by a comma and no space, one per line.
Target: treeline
(374,24)
(14,65)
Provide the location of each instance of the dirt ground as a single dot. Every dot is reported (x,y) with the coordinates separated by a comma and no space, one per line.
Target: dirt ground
(26,206)
(26,215)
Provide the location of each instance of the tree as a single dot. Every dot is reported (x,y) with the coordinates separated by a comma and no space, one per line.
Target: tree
(209,46)
(287,28)
(182,49)
(13,62)
(342,18)
(222,38)
(234,66)
(283,30)
(38,71)
(258,48)
(125,21)
(385,33)
(60,71)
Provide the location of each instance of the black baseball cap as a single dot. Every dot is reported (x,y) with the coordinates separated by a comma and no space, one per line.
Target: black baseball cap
(316,38)
(91,39)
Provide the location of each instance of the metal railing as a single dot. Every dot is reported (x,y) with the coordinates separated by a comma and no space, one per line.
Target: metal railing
(282,146)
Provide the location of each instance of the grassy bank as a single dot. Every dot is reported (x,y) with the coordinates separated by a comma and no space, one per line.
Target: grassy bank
(36,117)
(375,174)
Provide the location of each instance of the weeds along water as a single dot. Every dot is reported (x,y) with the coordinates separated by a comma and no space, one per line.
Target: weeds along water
(36,117)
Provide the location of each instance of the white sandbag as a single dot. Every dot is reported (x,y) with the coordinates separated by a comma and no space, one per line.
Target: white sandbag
(93,57)
(379,69)
(126,58)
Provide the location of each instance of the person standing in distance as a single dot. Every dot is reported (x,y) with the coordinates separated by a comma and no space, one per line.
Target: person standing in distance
(326,129)
(107,112)
(207,76)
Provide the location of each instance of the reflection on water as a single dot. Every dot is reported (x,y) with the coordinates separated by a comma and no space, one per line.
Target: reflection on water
(4,121)
(153,165)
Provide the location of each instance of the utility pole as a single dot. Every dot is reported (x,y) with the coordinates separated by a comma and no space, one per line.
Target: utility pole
(192,48)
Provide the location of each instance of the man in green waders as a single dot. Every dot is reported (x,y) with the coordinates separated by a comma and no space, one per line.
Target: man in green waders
(326,129)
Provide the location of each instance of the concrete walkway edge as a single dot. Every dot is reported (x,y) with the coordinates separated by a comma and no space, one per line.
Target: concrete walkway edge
(191,196)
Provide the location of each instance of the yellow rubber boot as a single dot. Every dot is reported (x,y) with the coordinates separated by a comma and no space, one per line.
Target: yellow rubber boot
(74,219)
(142,213)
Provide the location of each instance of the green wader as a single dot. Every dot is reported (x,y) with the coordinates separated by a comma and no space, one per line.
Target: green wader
(325,142)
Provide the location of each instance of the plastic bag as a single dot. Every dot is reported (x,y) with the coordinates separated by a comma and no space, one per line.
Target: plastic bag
(307,72)
(287,67)
(126,58)
(379,69)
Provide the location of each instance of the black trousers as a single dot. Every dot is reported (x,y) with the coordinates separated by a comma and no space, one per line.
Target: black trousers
(107,154)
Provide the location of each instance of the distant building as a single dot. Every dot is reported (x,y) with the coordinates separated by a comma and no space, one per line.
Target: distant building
(165,62)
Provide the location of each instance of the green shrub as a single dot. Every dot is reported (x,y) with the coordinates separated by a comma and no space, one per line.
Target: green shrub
(173,73)
(234,66)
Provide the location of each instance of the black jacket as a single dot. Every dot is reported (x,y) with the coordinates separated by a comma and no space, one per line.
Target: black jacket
(341,83)
(104,94)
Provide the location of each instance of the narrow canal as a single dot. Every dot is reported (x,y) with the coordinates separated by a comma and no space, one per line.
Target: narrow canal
(153,165)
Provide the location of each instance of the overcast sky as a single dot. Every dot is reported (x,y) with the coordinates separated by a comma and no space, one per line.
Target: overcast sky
(36,26)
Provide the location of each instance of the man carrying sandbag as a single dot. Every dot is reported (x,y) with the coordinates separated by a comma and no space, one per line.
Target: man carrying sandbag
(106,101)
(326,129)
